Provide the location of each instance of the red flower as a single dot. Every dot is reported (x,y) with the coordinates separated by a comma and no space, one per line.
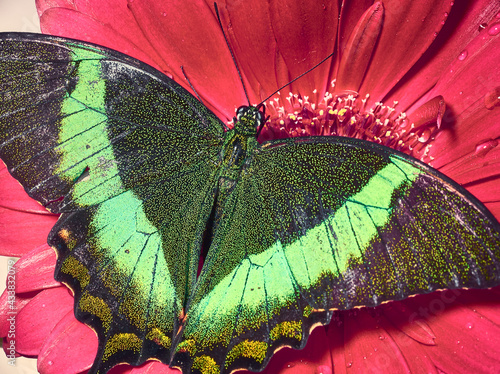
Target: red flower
(432,64)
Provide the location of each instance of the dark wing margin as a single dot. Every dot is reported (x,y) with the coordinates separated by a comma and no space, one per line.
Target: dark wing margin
(324,223)
(130,159)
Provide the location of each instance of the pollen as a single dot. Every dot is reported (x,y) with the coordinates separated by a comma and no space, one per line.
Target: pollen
(347,114)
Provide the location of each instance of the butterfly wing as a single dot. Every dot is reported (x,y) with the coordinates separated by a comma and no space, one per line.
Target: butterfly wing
(130,160)
(325,223)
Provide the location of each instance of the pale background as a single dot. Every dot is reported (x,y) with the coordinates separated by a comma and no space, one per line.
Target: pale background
(16,15)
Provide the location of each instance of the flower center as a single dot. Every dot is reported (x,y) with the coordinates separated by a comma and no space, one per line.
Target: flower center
(346,115)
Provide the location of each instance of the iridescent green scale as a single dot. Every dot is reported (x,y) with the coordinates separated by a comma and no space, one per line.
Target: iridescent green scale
(143,175)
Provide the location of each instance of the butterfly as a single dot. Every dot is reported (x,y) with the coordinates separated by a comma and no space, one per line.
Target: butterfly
(144,177)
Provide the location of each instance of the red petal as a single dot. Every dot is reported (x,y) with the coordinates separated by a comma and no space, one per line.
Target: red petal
(409,28)
(358,51)
(13,196)
(369,347)
(72,24)
(187,34)
(404,318)
(414,353)
(313,358)
(37,319)
(305,33)
(21,232)
(35,270)
(70,347)
(254,47)
(460,28)
(468,123)
(467,341)
(9,308)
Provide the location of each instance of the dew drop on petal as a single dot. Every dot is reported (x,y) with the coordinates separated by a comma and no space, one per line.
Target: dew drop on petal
(381,337)
(324,369)
(494,29)
(469,325)
(483,148)
(446,14)
(482,26)
(349,364)
(435,34)
(463,55)
(375,349)
(50,363)
(164,14)
(492,98)
(43,305)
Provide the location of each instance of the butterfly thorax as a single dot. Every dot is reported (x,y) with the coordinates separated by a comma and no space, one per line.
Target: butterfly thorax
(241,140)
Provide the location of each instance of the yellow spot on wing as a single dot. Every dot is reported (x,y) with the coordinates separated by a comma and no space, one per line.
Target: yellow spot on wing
(157,336)
(97,307)
(248,349)
(121,342)
(206,365)
(288,329)
(77,270)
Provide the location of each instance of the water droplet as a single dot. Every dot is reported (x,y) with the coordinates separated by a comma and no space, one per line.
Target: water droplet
(446,14)
(463,55)
(494,29)
(469,325)
(458,341)
(483,148)
(50,363)
(43,305)
(460,93)
(381,337)
(349,364)
(324,369)
(435,34)
(375,349)
(482,26)
(164,14)
(364,357)
(492,98)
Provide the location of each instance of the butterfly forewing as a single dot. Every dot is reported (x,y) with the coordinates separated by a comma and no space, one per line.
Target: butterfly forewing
(129,158)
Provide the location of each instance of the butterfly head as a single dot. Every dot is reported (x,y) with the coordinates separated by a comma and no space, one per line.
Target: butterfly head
(249,119)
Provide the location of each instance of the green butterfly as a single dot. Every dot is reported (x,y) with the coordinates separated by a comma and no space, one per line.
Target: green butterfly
(145,176)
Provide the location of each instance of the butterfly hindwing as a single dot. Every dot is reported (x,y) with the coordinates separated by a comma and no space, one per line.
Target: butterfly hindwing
(319,224)
(129,159)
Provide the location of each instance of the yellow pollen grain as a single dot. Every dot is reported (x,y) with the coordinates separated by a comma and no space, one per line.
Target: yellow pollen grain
(342,111)
(282,122)
(292,117)
(321,112)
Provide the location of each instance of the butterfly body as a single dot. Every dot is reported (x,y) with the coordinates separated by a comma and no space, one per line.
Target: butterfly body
(144,175)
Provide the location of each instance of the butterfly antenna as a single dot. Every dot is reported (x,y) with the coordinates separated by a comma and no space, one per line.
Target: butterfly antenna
(300,76)
(231,51)
(190,85)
